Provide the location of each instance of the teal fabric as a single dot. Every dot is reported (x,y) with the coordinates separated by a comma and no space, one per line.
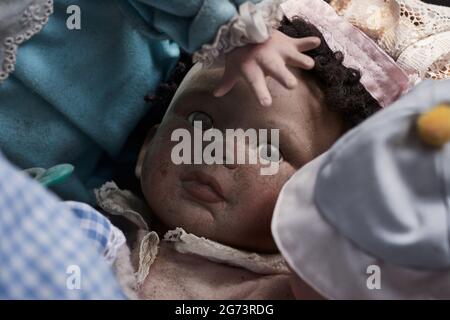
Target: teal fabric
(77,94)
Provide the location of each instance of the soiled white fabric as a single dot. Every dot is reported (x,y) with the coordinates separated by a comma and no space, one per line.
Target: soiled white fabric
(123,203)
(258,263)
(19,21)
(414,33)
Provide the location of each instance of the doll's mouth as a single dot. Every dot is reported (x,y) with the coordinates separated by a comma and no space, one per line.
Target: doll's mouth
(202,187)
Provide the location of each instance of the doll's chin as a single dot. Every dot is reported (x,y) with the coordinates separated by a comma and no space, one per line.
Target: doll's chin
(190,217)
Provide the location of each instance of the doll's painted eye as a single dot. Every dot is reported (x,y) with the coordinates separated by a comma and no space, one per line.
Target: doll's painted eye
(269,152)
(200,120)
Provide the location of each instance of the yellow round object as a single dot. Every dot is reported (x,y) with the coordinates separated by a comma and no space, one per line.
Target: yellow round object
(434,125)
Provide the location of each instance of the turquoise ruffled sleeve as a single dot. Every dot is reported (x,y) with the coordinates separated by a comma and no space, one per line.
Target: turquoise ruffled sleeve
(208,28)
(189,23)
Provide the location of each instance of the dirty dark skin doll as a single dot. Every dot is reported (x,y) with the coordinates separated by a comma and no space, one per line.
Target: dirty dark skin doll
(326,102)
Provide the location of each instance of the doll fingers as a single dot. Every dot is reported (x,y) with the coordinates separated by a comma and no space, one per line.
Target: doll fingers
(307,43)
(300,60)
(227,83)
(276,68)
(255,77)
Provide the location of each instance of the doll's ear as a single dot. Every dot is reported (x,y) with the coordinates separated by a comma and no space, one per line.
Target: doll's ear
(143,151)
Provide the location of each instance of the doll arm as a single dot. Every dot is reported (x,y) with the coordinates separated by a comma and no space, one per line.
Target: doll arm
(234,33)
(210,28)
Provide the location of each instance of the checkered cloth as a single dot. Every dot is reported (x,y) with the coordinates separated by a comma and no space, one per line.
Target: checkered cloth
(106,238)
(50,249)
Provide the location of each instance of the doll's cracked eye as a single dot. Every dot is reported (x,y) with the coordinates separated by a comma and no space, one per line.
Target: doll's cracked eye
(269,152)
(201,120)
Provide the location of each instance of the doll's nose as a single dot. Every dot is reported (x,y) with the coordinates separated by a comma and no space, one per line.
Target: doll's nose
(234,151)
(229,158)
(229,150)
(223,153)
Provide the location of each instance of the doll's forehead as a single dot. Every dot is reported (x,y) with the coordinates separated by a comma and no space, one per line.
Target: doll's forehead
(197,80)
(198,86)
(201,79)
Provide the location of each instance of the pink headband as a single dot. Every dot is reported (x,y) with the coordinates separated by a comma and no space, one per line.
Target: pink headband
(381,76)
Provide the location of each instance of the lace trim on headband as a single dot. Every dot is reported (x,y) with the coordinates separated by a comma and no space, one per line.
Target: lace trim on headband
(33,19)
(254,24)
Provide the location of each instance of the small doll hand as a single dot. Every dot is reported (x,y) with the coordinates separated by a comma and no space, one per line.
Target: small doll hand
(271,58)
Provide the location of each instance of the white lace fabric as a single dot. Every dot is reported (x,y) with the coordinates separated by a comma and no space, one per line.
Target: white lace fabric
(440,69)
(254,24)
(189,243)
(414,33)
(19,21)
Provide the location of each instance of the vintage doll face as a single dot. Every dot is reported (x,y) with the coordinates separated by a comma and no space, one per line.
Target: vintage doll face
(232,204)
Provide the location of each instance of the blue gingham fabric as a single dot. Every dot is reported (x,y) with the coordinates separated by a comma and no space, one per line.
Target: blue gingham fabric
(50,249)
(104,235)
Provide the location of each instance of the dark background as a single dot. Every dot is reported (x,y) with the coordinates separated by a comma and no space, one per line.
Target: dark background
(439,2)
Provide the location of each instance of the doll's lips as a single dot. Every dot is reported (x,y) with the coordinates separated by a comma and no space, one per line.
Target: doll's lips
(203,187)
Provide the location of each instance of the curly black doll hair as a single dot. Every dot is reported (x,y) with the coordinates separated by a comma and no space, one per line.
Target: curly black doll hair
(343,92)
(341,86)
